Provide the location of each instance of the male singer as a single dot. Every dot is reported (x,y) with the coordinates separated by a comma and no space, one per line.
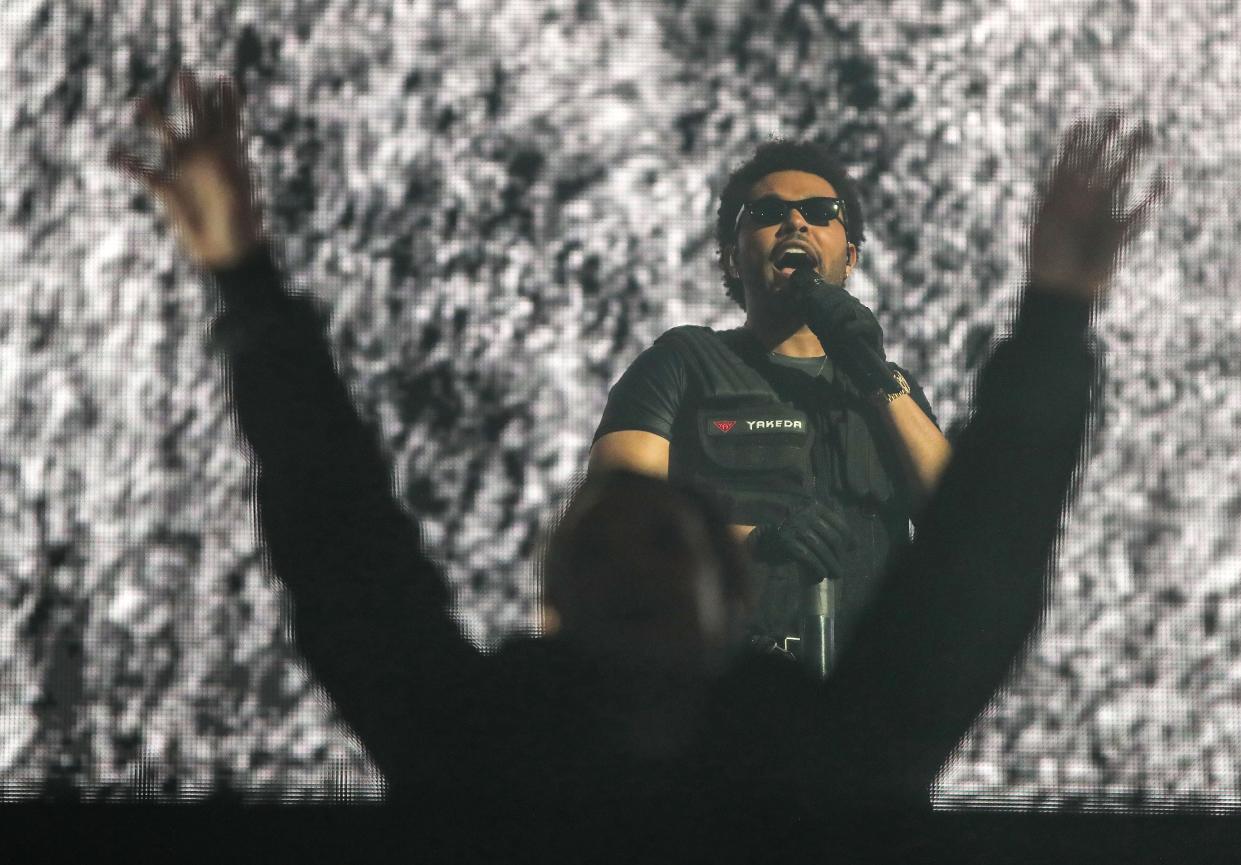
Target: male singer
(821,449)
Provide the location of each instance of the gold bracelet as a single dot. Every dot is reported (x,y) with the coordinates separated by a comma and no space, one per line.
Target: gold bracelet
(889,398)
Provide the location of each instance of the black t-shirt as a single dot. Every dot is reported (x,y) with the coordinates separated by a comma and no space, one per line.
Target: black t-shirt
(656,395)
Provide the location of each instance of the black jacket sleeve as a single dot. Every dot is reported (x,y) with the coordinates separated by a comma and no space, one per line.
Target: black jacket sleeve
(371,613)
(960,603)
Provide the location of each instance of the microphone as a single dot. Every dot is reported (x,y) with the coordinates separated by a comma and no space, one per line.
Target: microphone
(807,283)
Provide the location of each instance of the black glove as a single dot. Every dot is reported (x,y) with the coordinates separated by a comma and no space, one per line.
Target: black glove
(849,331)
(815,537)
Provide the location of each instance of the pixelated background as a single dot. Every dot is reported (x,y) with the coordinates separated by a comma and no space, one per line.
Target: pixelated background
(502,203)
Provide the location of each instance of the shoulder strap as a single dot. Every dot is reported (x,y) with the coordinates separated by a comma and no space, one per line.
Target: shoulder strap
(716,363)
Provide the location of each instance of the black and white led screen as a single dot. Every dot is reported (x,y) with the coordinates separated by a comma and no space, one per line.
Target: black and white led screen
(500,203)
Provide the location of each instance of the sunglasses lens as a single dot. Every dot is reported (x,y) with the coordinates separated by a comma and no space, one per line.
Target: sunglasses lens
(819,211)
(816,211)
(767,211)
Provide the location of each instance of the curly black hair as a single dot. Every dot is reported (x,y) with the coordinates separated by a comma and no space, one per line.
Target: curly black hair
(782,155)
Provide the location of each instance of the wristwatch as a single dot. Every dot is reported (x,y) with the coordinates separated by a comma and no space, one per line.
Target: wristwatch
(886,398)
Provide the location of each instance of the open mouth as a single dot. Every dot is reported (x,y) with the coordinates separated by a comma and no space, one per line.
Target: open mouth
(788,261)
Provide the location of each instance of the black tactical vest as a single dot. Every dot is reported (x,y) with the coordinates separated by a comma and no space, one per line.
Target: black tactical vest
(741,436)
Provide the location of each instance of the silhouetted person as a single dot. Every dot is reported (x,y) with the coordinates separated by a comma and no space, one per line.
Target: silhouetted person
(641,710)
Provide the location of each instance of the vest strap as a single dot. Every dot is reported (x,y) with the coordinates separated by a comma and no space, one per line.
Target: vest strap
(716,366)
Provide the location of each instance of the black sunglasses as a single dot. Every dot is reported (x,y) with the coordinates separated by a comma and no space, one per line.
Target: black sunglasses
(770,210)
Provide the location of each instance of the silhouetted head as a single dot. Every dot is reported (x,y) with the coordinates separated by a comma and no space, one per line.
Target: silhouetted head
(645,574)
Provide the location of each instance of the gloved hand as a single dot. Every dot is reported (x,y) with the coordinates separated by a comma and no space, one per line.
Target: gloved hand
(816,537)
(849,331)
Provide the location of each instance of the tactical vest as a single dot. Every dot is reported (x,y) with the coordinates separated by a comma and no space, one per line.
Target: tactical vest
(754,451)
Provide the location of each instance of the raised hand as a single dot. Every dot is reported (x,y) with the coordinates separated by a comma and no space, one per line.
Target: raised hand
(848,330)
(1082,222)
(205,185)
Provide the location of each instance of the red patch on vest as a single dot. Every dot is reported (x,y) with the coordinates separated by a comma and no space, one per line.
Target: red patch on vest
(724,425)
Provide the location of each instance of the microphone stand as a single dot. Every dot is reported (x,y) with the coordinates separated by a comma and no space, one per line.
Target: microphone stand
(817,649)
(820,602)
